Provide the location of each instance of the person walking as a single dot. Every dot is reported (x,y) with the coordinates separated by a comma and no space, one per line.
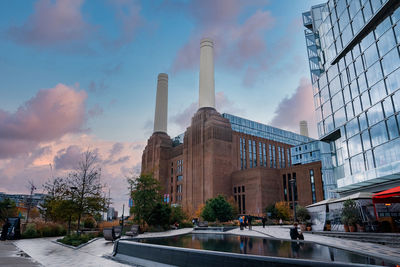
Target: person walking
(241,222)
(264,220)
(280,221)
(4,231)
(249,221)
(294,234)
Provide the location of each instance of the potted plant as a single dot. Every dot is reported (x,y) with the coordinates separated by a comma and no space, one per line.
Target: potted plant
(303,215)
(350,215)
(308,226)
(328,225)
(360,226)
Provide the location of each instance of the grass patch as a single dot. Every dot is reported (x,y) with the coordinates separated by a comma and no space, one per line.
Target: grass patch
(76,240)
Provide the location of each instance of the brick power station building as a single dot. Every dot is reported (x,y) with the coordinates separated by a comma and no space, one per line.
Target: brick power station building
(226,154)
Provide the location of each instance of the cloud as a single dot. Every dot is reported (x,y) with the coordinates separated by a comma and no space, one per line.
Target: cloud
(223,104)
(67,159)
(116,149)
(97,87)
(53,22)
(62,24)
(95,111)
(127,14)
(239,43)
(299,106)
(47,116)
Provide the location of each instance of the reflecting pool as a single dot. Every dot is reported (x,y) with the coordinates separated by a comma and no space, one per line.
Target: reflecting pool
(265,247)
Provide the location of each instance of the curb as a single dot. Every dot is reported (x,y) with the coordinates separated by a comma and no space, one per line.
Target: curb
(78,247)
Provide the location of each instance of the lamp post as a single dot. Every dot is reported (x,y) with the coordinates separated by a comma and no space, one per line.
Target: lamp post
(292,181)
(73,188)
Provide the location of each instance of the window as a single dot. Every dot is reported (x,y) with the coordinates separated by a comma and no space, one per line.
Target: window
(244,154)
(179,178)
(271,165)
(179,167)
(179,188)
(288,156)
(241,154)
(264,156)
(254,154)
(284,187)
(273,156)
(312,181)
(279,157)
(250,155)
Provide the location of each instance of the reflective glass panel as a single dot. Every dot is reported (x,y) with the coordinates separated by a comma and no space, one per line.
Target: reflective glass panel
(378,134)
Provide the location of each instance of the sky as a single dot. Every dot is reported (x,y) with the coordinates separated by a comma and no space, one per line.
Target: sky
(81,74)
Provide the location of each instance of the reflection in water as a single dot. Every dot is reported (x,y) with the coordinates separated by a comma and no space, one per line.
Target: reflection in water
(265,247)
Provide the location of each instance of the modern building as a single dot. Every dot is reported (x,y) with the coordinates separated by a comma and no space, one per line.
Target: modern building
(353,51)
(224,154)
(317,151)
(22,200)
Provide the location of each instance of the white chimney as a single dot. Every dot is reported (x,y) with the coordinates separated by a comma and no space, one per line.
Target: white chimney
(206,81)
(304,128)
(161,113)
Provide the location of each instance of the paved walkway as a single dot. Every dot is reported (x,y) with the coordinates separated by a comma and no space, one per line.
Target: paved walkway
(375,250)
(10,255)
(48,253)
(45,252)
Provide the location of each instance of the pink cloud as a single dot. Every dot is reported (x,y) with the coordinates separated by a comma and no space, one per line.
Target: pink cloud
(47,116)
(53,22)
(223,104)
(299,106)
(67,159)
(237,45)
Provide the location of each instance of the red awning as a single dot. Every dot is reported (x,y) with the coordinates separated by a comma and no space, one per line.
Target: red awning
(388,193)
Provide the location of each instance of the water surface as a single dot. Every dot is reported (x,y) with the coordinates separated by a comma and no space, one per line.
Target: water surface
(265,247)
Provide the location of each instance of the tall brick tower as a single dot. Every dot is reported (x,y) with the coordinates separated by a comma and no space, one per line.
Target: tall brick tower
(207,142)
(156,154)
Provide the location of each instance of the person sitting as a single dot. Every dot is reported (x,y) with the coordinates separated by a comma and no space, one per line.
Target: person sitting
(294,234)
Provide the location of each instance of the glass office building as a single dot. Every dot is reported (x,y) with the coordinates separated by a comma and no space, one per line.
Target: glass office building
(353,50)
(314,151)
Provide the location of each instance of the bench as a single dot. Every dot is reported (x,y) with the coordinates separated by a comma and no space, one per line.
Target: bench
(203,224)
(112,234)
(134,230)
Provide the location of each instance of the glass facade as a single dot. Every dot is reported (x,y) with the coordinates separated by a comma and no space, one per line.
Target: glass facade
(246,126)
(354,44)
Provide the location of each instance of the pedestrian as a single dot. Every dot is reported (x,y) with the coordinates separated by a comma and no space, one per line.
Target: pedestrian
(241,222)
(264,220)
(244,221)
(250,218)
(4,231)
(280,221)
(294,234)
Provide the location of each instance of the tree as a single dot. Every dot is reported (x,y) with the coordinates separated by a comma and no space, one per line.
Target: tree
(271,211)
(86,189)
(350,213)
(302,214)
(146,193)
(7,209)
(160,215)
(217,208)
(177,215)
(282,210)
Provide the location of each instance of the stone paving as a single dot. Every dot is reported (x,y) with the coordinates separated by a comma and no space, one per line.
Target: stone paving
(48,253)
(10,255)
(375,250)
(45,252)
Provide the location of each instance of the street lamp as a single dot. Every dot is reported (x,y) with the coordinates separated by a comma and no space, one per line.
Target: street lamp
(73,188)
(292,182)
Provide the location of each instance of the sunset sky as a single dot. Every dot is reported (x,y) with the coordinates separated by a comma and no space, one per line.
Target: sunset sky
(79,74)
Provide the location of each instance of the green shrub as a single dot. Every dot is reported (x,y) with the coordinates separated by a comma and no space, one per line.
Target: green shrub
(177,215)
(89,222)
(217,208)
(30,231)
(186,224)
(302,214)
(160,215)
(75,239)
